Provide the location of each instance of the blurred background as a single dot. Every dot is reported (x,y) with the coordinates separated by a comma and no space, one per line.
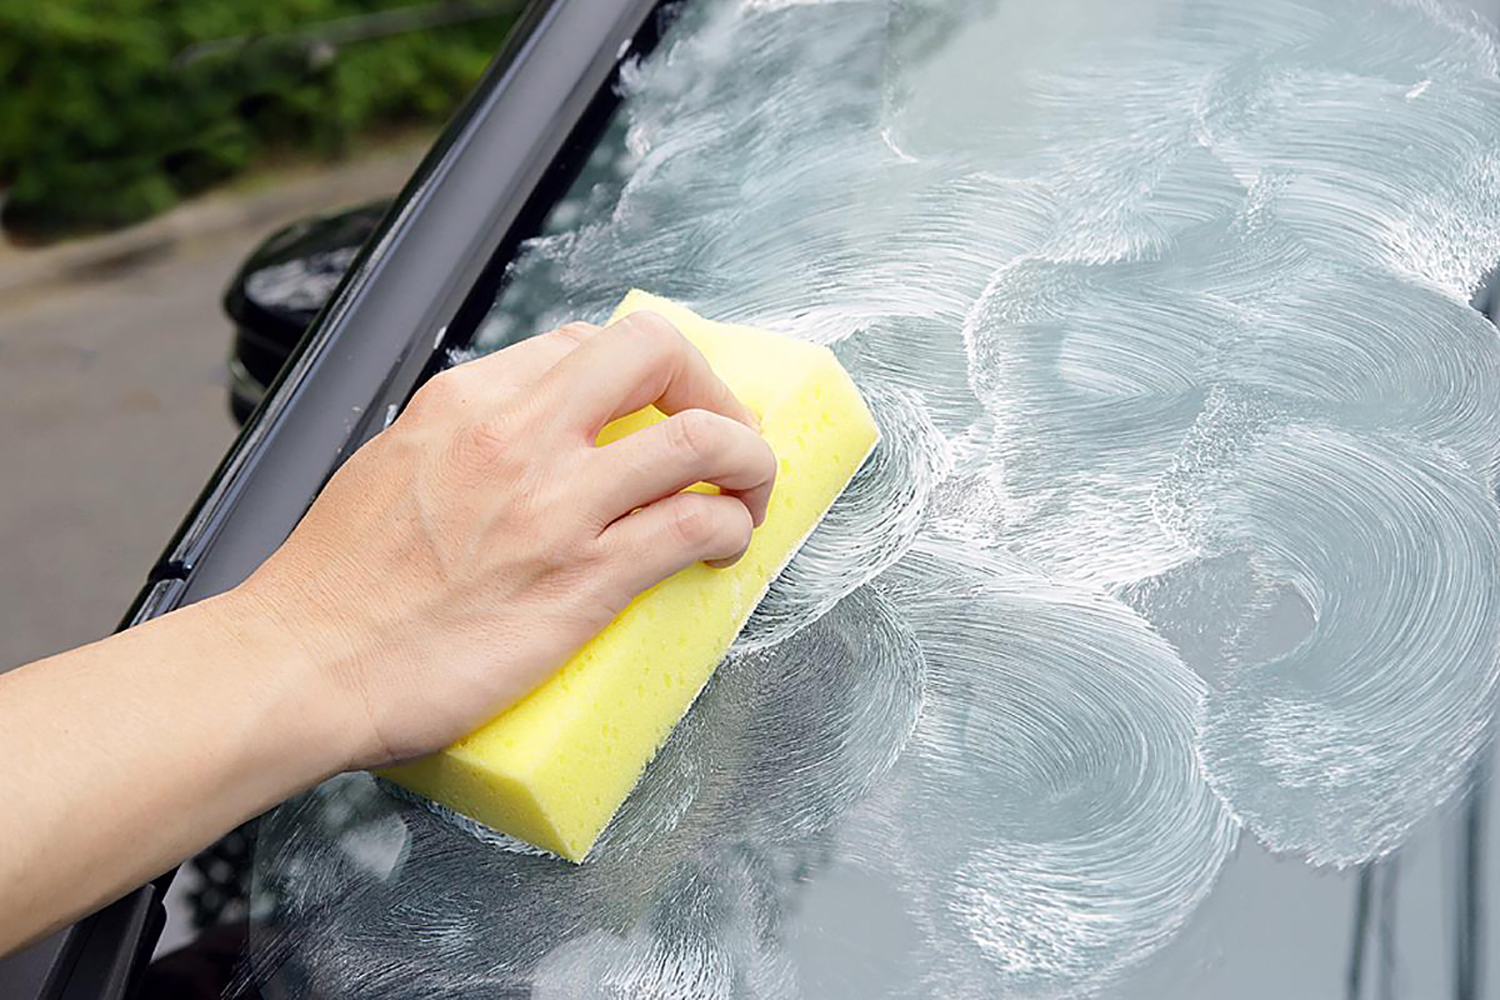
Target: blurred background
(146,148)
(115,110)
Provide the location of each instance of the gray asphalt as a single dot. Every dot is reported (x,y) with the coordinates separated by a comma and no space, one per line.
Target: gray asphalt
(113,409)
(112,416)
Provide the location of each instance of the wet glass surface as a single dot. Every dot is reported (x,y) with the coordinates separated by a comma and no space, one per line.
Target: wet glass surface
(1153,654)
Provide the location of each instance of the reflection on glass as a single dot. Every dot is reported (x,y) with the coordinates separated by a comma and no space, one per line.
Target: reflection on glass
(1153,653)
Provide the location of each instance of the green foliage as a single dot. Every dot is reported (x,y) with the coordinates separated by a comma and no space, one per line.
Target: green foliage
(103,122)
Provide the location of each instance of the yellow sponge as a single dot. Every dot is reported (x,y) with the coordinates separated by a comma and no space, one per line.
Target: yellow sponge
(553,769)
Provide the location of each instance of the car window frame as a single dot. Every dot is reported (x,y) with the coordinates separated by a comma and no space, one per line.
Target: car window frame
(418,289)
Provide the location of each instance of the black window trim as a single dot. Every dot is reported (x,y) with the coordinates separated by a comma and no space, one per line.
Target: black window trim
(418,288)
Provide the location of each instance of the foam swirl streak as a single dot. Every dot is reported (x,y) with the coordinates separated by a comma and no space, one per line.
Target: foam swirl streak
(1190,444)
(1064,827)
(685,891)
(1338,746)
(1092,375)
(867,529)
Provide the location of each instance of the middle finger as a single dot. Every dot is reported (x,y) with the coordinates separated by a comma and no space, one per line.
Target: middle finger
(689,447)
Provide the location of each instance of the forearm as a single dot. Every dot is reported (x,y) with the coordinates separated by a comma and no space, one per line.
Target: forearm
(128,755)
(449,566)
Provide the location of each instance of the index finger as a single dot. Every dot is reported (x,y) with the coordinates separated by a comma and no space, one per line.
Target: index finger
(638,361)
(523,363)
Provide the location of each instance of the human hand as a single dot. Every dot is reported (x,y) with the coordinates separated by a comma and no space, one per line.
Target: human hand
(464,554)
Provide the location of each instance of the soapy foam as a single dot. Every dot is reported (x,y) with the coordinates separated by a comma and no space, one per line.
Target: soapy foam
(1182,523)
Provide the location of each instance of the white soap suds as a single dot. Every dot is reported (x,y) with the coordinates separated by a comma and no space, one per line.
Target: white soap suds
(1182,523)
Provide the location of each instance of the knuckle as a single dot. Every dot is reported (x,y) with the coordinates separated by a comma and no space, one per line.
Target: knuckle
(587,550)
(695,434)
(742,527)
(553,549)
(654,333)
(441,393)
(694,522)
(566,557)
(600,562)
(723,397)
(576,332)
(610,555)
(765,458)
(600,590)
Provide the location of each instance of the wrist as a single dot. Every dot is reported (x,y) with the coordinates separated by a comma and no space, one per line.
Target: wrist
(292,664)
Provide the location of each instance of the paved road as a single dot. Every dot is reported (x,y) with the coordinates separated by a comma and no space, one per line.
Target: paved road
(113,410)
(112,416)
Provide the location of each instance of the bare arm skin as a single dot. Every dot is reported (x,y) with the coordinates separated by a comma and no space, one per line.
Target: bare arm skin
(451,565)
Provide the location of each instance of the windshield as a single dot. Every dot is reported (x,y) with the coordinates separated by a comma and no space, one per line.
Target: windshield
(1153,653)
